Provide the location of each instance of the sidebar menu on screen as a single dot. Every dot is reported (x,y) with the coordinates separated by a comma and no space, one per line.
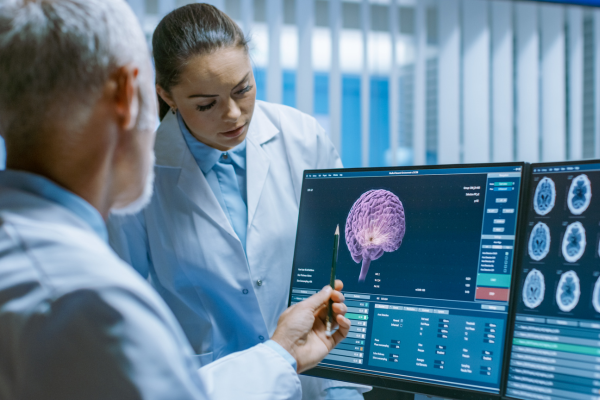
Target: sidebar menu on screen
(555,352)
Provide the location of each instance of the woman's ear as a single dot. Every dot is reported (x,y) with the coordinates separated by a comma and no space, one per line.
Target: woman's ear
(166,96)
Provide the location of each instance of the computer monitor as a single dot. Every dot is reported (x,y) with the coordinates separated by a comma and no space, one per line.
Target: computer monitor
(426,257)
(556,332)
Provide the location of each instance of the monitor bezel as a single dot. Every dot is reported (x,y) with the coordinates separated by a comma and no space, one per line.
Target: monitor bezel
(408,385)
(522,229)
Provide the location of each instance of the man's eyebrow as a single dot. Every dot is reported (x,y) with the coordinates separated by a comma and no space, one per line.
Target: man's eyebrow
(216,95)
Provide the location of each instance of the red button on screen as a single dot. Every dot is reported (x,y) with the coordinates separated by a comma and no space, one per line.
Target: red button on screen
(487,293)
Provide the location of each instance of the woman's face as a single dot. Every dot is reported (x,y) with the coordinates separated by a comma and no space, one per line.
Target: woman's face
(215,96)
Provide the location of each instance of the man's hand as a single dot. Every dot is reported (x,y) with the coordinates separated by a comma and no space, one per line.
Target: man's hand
(301,328)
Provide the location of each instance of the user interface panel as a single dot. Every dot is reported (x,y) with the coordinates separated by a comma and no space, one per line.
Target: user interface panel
(426,258)
(556,342)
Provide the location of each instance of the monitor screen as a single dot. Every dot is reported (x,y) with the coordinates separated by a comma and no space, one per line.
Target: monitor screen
(426,258)
(556,340)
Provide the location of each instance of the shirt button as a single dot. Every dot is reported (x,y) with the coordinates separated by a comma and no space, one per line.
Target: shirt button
(259,282)
(225,156)
(261,337)
(245,291)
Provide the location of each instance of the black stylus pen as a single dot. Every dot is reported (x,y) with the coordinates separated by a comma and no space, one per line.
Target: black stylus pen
(336,244)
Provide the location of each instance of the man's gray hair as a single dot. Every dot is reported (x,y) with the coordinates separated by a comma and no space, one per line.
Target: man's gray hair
(56,56)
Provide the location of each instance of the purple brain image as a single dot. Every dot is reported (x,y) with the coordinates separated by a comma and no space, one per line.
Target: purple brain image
(375,225)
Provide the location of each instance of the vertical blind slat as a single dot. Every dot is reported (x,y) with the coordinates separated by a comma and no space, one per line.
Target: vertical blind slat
(335,75)
(553,88)
(449,82)
(305,86)
(419,138)
(476,81)
(575,77)
(394,91)
(247,9)
(274,72)
(365,87)
(502,77)
(527,84)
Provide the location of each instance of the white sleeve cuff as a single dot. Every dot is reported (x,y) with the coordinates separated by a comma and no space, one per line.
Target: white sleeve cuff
(283,352)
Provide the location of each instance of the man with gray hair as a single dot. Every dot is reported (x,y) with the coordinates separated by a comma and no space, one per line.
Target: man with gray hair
(77,113)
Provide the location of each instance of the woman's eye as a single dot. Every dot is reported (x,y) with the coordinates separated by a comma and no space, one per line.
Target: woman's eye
(206,107)
(245,90)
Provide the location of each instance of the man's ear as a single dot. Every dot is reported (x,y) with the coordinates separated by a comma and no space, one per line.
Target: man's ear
(125,84)
(166,96)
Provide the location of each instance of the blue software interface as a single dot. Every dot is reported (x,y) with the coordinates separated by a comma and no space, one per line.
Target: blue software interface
(426,259)
(555,350)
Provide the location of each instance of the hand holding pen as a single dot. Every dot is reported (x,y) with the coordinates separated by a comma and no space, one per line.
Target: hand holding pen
(301,328)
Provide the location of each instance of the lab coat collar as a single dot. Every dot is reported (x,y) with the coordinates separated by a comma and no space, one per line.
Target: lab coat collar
(44,188)
(262,129)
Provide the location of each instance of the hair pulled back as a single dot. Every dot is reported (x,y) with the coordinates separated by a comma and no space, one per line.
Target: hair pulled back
(191,30)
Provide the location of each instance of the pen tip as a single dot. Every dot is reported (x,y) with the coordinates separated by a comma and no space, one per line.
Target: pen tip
(337,229)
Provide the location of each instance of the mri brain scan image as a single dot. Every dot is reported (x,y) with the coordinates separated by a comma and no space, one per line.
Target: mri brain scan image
(596,296)
(539,241)
(580,194)
(568,291)
(574,242)
(375,224)
(534,289)
(545,196)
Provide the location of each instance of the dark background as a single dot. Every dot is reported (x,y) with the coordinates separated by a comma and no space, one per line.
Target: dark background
(554,264)
(440,246)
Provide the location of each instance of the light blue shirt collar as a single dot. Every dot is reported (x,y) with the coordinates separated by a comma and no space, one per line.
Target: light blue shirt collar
(206,157)
(43,187)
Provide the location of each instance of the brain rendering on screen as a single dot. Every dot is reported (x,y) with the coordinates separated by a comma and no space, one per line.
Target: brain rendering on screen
(534,289)
(545,196)
(580,194)
(568,291)
(574,242)
(375,224)
(539,241)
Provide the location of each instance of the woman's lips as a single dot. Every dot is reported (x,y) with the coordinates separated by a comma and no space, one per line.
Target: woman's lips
(234,133)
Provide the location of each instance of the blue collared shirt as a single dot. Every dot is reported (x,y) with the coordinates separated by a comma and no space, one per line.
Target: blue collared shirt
(207,157)
(40,186)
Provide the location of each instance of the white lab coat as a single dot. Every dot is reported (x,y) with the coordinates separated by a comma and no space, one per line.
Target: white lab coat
(227,300)
(76,322)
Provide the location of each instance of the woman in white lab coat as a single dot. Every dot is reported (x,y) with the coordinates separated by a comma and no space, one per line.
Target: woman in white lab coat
(217,240)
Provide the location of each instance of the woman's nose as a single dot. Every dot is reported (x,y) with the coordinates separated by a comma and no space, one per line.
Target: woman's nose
(233,111)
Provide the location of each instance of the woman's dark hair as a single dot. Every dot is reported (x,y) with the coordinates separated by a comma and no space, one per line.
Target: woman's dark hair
(186,32)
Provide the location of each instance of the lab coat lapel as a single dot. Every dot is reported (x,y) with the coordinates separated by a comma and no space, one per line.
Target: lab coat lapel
(257,161)
(172,151)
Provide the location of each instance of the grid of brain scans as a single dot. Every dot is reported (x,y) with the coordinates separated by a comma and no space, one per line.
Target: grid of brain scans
(556,348)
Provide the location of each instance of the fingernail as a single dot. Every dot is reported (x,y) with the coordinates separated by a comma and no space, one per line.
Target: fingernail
(327,288)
